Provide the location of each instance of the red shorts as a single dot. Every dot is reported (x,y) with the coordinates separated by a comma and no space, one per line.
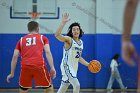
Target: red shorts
(40,76)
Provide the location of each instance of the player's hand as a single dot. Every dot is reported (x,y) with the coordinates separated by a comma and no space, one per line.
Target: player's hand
(65,18)
(9,77)
(53,73)
(128,53)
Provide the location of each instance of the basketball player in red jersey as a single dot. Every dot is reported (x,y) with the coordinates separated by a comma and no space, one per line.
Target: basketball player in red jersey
(33,65)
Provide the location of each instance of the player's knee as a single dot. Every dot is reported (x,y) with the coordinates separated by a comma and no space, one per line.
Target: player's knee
(66,84)
(77,86)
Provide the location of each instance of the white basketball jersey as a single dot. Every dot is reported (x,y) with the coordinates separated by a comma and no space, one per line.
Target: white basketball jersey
(69,64)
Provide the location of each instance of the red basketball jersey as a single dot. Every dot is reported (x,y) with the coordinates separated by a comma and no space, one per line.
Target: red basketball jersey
(31,50)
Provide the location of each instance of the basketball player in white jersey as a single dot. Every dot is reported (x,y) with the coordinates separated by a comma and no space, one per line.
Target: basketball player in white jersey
(72,51)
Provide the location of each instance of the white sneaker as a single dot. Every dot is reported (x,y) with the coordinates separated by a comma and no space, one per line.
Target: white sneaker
(124,89)
(109,90)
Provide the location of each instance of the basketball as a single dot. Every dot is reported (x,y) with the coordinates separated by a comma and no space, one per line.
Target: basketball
(94,66)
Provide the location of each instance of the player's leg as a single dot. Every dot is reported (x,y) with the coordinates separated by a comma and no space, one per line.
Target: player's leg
(63,87)
(75,83)
(49,89)
(23,90)
(110,83)
(118,78)
(64,84)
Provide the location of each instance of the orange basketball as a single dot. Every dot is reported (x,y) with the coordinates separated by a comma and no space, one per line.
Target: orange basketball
(94,66)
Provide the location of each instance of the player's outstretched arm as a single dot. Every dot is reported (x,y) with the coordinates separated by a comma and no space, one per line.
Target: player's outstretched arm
(13,65)
(58,35)
(82,61)
(50,60)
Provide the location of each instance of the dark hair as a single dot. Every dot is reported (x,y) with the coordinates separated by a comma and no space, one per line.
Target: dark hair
(70,29)
(32,25)
(116,56)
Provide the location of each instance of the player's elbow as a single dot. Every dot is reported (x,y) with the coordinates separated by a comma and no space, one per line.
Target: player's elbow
(15,56)
(57,35)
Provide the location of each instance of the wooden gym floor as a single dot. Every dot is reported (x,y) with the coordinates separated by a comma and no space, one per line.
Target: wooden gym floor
(70,91)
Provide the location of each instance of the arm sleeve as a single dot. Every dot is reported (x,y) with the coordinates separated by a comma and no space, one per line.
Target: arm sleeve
(45,40)
(18,46)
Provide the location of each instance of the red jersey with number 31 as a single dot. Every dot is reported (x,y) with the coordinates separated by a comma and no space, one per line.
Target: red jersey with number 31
(31,50)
